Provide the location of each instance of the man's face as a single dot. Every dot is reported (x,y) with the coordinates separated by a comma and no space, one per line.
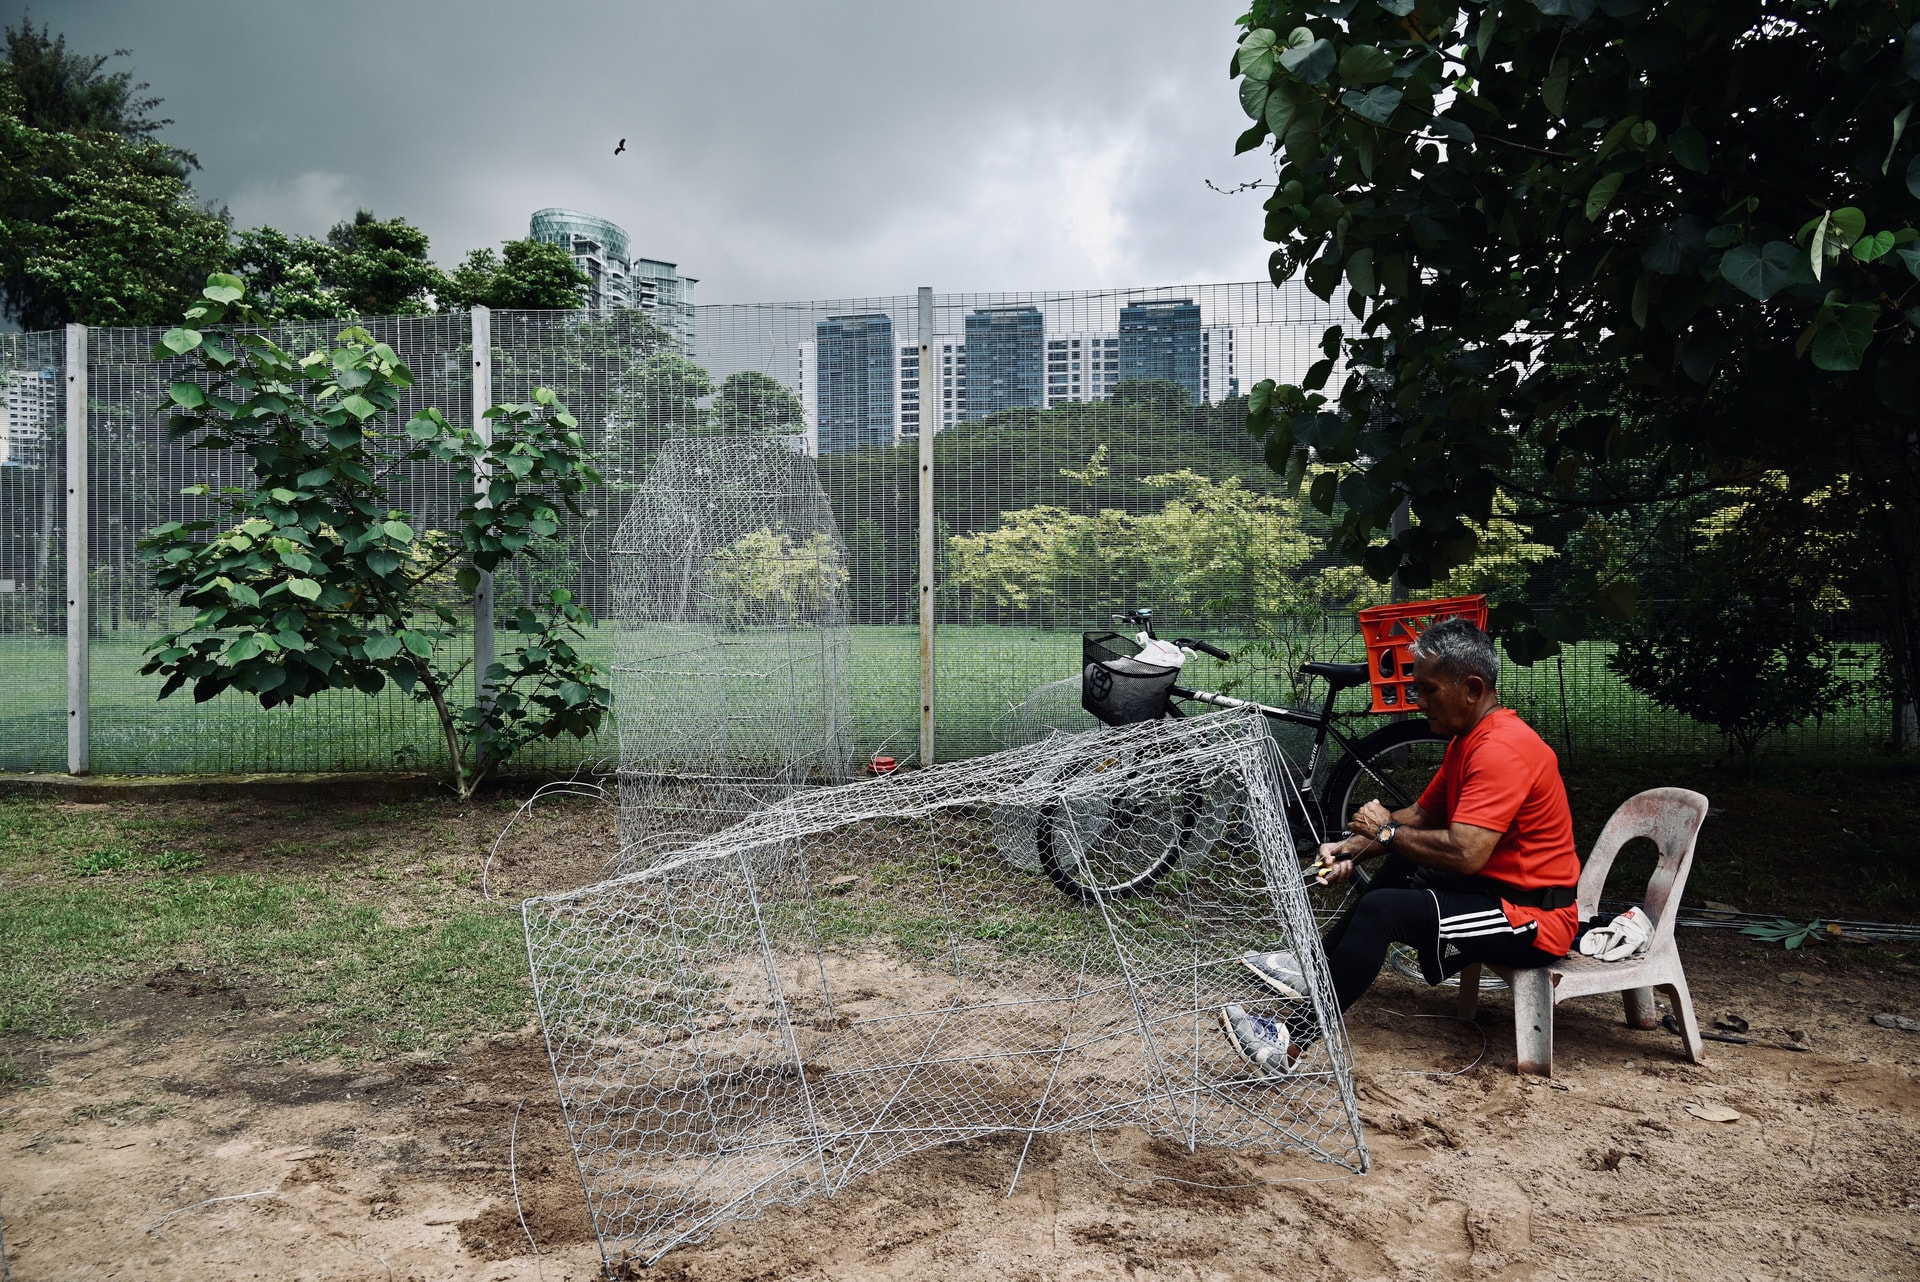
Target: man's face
(1452,705)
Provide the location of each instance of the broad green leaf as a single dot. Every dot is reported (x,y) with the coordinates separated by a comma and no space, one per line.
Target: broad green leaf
(1602,192)
(189,395)
(418,643)
(1847,226)
(1899,127)
(399,531)
(315,479)
(1689,148)
(1817,247)
(1553,93)
(1279,110)
(359,406)
(1842,342)
(1913,177)
(1398,8)
(1364,65)
(1360,272)
(1759,270)
(305,589)
(222,288)
(247,647)
(181,341)
(1376,104)
(1912,54)
(379,648)
(1255,56)
(1642,294)
(1253,97)
(1910,255)
(1307,57)
(1878,245)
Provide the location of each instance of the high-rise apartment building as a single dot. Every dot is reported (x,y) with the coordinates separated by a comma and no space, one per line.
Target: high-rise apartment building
(853,389)
(1006,359)
(942,398)
(1161,340)
(599,248)
(29,401)
(1082,367)
(1219,364)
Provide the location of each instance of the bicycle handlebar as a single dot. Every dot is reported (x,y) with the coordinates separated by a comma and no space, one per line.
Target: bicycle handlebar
(1188,643)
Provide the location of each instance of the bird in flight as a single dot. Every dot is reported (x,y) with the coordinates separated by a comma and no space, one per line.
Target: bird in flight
(622,147)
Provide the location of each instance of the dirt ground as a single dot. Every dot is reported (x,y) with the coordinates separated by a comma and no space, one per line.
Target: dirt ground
(168,1146)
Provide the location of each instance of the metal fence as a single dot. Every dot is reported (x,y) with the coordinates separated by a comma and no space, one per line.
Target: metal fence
(1089,455)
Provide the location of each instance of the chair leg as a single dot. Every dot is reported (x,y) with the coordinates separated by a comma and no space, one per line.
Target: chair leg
(1641,1012)
(1533,1020)
(1683,1011)
(1468,1004)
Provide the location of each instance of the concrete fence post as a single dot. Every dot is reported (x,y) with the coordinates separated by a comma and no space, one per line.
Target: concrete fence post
(482,330)
(79,759)
(929,422)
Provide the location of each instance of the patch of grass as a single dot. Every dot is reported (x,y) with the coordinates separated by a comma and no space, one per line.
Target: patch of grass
(374,976)
(122,859)
(134,1108)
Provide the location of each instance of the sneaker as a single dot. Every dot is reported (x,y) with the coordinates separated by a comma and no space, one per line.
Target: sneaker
(1260,1040)
(1279,971)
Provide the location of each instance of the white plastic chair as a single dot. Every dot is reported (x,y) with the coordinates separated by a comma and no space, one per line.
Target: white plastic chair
(1671,818)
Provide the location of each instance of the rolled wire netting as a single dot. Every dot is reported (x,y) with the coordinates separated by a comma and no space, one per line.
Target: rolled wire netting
(854,974)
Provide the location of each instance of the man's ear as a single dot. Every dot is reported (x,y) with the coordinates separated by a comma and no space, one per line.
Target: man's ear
(1474,686)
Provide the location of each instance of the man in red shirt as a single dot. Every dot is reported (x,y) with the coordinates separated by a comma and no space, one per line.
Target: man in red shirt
(1482,868)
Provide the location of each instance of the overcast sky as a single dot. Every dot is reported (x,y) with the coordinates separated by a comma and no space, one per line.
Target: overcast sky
(774,150)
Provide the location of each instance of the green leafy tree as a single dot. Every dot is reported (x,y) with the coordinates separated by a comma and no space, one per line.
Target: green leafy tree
(382,267)
(289,277)
(659,396)
(316,582)
(767,577)
(1602,230)
(754,404)
(527,275)
(97,223)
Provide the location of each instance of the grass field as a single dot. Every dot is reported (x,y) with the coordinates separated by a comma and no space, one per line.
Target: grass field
(980,672)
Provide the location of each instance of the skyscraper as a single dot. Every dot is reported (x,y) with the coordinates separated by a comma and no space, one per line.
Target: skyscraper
(854,363)
(1161,340)
(1082,366)
(1219,364)
(1006,359)
(599,248)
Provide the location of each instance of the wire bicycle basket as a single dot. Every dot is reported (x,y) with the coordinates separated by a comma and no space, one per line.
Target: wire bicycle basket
(1118,688)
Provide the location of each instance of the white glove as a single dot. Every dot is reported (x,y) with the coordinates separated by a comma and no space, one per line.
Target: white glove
(1621,939)
(1161,654)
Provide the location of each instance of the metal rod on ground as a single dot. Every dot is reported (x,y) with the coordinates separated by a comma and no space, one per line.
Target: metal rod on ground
(928,421)
(79,759)
(483,426)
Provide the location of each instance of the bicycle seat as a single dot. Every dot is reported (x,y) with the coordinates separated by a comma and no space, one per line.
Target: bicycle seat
(1338,675)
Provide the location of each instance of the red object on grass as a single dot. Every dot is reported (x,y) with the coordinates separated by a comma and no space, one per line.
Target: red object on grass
(882,766)
(1389,631)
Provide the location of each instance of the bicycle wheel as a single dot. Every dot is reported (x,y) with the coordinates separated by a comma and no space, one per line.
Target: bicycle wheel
(1108,834)
(1404,755)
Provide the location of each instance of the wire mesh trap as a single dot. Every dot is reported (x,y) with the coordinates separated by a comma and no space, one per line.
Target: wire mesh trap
(853,974)
(731,646)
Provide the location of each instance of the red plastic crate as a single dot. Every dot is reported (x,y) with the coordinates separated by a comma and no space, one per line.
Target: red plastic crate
(1389,631)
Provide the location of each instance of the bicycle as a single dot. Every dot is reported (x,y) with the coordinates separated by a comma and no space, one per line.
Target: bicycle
(1113,843)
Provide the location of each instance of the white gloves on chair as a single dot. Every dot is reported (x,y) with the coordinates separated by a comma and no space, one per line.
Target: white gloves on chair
(1623,938)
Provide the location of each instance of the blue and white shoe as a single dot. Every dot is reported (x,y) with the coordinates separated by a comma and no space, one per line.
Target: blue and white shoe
(1260,1040)
(1279,971)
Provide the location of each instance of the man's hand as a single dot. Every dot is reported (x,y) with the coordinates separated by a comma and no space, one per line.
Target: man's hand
(1332,869)
(1370,819)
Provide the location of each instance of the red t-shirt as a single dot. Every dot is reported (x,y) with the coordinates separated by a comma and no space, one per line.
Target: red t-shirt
(1502,776)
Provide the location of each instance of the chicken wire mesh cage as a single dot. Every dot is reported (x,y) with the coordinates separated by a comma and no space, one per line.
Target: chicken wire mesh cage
(730,638)
(854,974)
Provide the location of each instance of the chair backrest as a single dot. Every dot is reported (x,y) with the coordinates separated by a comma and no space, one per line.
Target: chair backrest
(1671,819)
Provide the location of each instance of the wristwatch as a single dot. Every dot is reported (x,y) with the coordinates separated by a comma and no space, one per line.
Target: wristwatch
(1385,835)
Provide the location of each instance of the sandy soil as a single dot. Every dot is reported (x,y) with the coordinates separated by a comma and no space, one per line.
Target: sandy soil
(110,1159)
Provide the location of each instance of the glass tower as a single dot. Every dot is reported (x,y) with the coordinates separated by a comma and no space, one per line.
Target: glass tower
(854,377)
(1006,359)
(1161,340)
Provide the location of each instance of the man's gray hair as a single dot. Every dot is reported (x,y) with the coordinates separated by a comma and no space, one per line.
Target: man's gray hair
(1459,649)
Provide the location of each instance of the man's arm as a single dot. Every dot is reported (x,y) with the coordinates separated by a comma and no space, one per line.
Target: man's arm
(1461,849)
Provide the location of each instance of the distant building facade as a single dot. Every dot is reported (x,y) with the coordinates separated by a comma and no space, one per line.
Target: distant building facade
(940,399)
(1219,364)
(28,403)
(1082,366)
(1161,340)
(1006,360)
(600,249)
(854,387)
